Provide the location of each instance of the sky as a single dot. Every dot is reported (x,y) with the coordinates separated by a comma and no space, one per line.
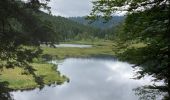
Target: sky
(70,8)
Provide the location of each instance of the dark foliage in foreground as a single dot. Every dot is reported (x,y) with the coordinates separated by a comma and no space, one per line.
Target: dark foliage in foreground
(147,22)
(21,27)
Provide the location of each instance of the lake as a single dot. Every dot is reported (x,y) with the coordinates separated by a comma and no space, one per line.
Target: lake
(90,79)
(73,45)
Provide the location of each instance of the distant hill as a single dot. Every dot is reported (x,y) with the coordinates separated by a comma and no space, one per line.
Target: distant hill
(100,23)
(68,29)
(77,28)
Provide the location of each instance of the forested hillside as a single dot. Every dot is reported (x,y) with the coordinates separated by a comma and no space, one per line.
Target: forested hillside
(69,30)
(78,28)
(100,23)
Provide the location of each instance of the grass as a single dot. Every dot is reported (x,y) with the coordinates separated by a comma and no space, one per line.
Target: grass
(90,42)
(99,48)
(18,80)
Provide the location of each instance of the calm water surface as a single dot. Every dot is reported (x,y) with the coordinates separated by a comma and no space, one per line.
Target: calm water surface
(74,45)
(90,79)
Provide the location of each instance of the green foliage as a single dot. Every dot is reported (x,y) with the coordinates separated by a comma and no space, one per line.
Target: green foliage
(147,22)
(66,29)
(107,29)
(100,23)
(19,27)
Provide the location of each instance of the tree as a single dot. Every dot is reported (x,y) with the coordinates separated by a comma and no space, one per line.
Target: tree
(21,27)
(147,22)
(23,15)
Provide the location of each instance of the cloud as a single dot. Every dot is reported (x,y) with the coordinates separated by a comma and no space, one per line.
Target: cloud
(69,8)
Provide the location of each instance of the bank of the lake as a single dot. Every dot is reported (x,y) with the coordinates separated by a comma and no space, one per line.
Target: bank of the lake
(90,79)
(18,80)
(98,48)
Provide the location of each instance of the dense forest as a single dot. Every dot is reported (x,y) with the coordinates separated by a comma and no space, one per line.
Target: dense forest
(67,30)
(100,23)
(77,28)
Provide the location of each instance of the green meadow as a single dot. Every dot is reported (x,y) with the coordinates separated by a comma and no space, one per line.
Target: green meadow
(98,48)
(18,80)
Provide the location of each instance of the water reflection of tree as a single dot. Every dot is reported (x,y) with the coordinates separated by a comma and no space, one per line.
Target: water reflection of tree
(146,93)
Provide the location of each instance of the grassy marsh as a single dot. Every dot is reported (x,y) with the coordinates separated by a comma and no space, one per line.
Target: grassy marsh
(99,48)
(18,80)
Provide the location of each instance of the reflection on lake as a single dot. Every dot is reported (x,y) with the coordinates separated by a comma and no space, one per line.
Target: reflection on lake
(90,79)
(74,45)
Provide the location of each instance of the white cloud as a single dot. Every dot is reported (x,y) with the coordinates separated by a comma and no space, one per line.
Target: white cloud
(70,8)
